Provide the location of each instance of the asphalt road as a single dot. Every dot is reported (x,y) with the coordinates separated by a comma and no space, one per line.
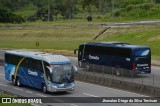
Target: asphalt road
(81,90)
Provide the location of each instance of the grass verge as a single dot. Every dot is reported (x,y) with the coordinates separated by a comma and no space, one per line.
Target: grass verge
(71,38)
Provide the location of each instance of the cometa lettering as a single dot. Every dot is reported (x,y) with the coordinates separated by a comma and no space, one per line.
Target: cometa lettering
(93,57)
(142,65)
(32,73)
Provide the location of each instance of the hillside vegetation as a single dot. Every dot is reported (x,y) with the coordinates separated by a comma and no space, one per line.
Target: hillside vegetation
(100,10)
(70,16)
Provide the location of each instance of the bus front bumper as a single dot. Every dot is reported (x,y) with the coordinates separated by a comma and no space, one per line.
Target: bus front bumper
(58,89)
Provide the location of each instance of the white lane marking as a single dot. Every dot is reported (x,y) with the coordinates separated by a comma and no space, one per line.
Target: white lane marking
(155,67)
(3,85)
(73,105)
(18,89)
(90,95)
(58,100)
(41,95)
(2,74)
(113,89)
(28,91)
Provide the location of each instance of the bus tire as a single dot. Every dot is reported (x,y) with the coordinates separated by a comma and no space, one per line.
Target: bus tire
(44,88)
(14,81)
(18,83)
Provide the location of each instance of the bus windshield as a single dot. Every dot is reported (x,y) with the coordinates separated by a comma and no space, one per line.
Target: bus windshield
(142,52)
(62,73)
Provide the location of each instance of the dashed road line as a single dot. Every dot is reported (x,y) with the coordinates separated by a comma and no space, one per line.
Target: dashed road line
(2,74)
(3,85)
(18,89)
(155,67)
(114,89)
(90,95)
(41,95)
(28,91)
(73,105)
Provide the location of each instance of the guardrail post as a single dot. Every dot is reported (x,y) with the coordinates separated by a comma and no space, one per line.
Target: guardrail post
(153,80)
(153,89)
(142,80)
(122,73)
(132,76)
(112,72)
(103,70)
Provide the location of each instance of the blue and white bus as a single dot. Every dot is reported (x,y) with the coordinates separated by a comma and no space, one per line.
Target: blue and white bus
(40,70)
(133,59)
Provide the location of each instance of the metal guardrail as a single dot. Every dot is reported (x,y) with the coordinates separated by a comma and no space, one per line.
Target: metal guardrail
(124,24)
(120,84)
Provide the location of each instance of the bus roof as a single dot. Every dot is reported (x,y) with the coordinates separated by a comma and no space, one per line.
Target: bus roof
(115,44)
(48,57)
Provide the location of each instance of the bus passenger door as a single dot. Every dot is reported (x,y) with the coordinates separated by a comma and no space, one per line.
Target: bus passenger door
(47,76)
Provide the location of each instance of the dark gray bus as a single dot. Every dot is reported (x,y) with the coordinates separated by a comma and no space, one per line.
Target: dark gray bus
(131,58)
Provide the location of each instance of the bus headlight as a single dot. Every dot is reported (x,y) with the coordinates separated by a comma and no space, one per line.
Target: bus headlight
(54,86)
(72,85)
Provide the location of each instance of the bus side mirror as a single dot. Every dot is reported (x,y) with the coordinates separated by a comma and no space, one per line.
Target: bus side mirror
(75,69)
(50,70)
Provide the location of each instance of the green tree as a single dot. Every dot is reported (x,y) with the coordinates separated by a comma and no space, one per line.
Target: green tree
(6,16)
(68,8)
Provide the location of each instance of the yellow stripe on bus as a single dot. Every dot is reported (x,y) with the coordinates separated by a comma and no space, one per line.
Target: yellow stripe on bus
(18,67)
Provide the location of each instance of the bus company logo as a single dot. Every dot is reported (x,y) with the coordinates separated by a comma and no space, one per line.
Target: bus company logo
(93,57)
(32,73)
(142,65)
(6,100)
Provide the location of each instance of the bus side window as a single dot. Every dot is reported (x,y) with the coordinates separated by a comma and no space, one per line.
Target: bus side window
(12,59)
(38,65)
(25,63)
(35,64)
(7,58)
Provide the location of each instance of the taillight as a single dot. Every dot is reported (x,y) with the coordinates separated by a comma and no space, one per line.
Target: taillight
(134,66)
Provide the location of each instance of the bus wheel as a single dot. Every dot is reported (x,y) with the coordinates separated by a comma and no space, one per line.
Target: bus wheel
(18,82)
(14,81)
(44,88)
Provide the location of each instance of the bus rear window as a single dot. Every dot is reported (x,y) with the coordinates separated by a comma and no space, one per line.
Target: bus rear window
(141,52)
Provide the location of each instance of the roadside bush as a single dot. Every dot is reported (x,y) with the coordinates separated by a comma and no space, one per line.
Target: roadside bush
(7,16)
(128,2)
(145,6)
(117,13)
(130,7)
